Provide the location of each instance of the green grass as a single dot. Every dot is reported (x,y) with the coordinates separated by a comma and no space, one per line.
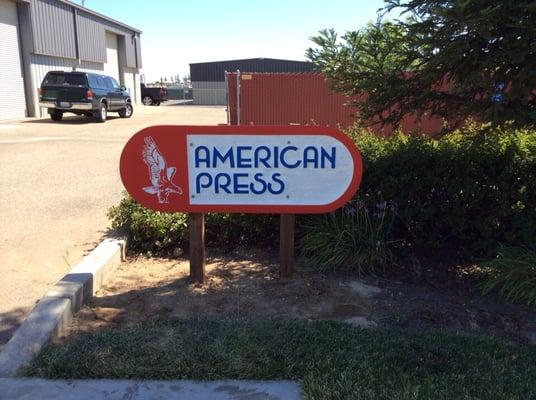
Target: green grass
(512,274)
(331,360)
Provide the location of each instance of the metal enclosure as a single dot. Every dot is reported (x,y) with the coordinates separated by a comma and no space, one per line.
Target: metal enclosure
(208,78)
(302,99)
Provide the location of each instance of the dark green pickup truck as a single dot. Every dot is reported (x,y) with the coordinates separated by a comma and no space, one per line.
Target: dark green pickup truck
(83,93)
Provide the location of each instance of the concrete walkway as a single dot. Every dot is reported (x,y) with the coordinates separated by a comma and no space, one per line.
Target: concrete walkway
(33,388)
(57,182)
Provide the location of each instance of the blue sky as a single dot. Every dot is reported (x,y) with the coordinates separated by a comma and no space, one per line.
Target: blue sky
(176,33)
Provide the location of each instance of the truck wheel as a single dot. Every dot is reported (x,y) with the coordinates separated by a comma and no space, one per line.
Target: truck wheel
(55,115)
(101,114)
(147,100)
(127,111)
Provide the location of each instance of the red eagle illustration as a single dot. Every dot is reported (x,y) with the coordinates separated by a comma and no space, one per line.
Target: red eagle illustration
(160,174)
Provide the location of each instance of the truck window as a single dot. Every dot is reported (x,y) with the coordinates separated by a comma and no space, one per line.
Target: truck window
(114,83)
(65,79)
(101,82)
(93,81)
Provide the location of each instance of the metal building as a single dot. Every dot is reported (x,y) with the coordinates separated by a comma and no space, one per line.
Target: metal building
(37,36)
(208,78)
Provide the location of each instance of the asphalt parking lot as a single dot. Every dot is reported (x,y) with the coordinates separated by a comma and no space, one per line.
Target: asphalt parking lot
(57,182)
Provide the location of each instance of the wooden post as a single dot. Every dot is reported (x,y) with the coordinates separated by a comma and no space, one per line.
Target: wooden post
(196,224)
(286,245)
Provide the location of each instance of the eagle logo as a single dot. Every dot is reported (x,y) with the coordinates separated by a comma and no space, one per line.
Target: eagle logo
(159,173)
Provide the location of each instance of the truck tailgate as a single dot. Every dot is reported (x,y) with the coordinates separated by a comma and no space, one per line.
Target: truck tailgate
(63,93)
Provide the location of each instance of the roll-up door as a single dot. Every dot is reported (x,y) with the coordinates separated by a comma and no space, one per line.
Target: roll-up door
(12,98)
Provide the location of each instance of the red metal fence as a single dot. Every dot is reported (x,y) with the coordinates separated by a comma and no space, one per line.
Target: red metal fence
(301,98)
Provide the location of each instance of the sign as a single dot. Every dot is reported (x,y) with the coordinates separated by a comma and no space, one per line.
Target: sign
(243,169)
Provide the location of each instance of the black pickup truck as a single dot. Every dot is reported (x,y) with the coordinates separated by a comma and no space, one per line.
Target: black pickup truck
(153,95)
(83,93)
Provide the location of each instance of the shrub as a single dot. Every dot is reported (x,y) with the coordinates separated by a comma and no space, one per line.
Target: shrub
(512,274)
(159,232)
(354,238)
(472,188)
(468,190)
(228,231)
(149,231)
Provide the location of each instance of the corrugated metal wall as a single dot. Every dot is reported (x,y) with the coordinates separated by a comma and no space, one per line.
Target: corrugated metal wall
(179,94)
(215,71)
(53,25)
(273,99)
(130,51)
(92,46)
(138,52)
(209,93)
(304,99)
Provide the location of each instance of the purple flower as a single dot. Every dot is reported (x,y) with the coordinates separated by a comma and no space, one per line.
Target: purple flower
(381,206)
(497,98)
(349,210)
(379,214)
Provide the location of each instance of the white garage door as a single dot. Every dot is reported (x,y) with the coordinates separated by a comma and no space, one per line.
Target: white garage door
(130,83)
(111,66)
(12,100)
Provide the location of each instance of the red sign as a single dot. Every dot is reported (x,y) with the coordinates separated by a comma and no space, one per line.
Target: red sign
(243,169)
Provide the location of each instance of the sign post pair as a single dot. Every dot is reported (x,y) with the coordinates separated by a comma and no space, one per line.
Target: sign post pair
(283,170)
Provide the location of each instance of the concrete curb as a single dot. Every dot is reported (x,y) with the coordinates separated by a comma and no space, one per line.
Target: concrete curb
(120,389)
(50,317)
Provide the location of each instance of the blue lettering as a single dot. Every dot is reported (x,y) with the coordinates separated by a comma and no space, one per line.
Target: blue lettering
(284,162)
(310,155)
(199,184)
(223,157)
(240,188)
(275,178)
(199,159)
(259,179)
(331,158)
(259,159)
(218,184)
(242,161)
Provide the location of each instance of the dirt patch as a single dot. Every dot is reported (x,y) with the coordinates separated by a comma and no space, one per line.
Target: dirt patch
(459,308)
(246,283)
(241,284)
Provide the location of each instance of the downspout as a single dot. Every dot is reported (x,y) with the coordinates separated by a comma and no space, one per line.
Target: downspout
(26,48)
(76,40)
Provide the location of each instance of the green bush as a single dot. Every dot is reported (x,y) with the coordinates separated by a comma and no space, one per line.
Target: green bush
(471,189)
(468,190)
(512,274)
(147,230)
(159,232)
(354,238)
